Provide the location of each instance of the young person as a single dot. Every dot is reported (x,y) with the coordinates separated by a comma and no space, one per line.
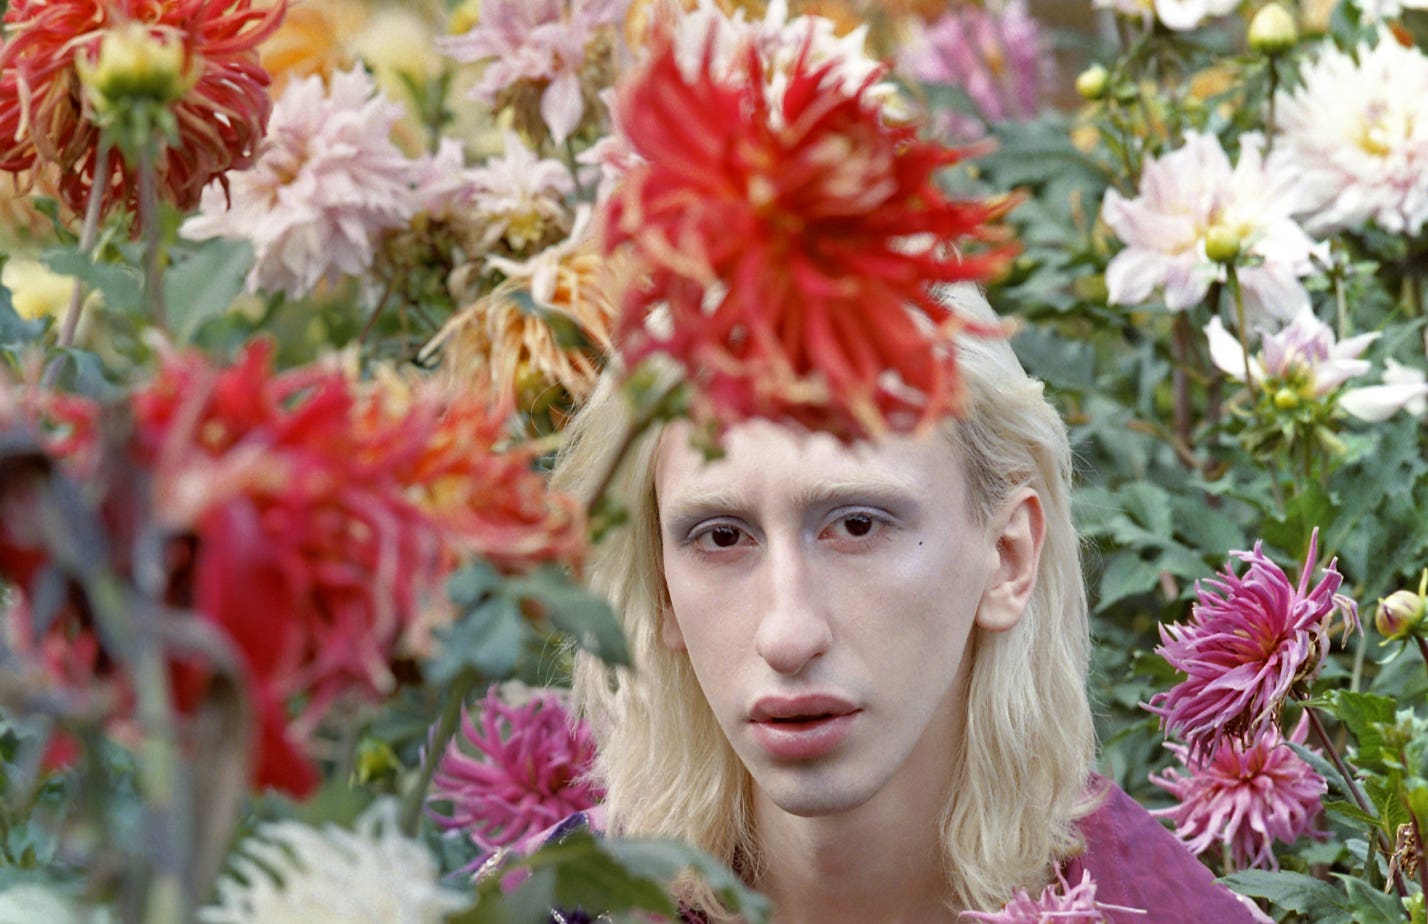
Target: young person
(861,669)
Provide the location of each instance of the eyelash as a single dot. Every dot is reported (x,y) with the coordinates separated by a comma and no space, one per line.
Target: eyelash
(877,523)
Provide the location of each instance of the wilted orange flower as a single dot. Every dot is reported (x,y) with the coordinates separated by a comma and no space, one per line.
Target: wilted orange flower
(520,347)
(45,117)
(793,235)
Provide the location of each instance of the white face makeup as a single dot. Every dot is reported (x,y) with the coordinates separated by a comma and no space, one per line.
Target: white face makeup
(825,595)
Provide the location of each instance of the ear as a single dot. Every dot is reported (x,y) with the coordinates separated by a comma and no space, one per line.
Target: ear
(669,631)
(1017,533)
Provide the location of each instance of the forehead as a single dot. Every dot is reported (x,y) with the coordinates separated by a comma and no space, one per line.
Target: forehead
(762,457)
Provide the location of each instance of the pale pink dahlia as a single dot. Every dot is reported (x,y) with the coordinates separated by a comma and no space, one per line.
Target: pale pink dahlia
(1060,902)
(542,41)
(520,197)
(1355,136)
(1186,194)
(328,181)
(996,54)
(1249,641)
(1245,797)
(514,771)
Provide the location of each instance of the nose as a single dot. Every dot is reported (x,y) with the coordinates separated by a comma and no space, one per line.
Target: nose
(795,628)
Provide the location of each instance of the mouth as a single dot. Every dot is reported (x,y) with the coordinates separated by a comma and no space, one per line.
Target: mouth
(802,728)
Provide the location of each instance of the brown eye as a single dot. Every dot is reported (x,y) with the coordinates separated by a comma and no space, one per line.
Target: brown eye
(725,537)
(858,524)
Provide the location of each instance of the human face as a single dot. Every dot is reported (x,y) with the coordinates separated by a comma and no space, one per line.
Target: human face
(825,595)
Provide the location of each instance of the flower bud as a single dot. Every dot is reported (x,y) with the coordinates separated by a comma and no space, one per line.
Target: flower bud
(1400,614)
(1272,31)
(1286,399)
(1222,244)
(1091,83)
(135,65)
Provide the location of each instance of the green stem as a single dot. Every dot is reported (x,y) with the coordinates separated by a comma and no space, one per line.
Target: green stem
(1232,280)
(1269,116)
(93,208)
(445,727)
(653,410)
(1352,786)
(149,222)
(1183,410)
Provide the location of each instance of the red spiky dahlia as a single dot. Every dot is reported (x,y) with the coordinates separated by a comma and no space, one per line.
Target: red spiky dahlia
(794,231)
(45,117)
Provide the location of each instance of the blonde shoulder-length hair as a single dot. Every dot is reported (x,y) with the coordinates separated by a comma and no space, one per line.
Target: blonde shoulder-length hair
(1020,779)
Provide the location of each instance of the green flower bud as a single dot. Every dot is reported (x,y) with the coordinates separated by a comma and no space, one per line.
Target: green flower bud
(1091,83)
(1399,614)
(134,65)
(1222,244)
(1272,31)
(1286,399)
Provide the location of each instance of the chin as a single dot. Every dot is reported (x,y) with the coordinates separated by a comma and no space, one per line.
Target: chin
(812,795)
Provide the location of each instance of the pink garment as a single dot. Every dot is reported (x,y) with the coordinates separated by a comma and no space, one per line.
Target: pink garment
(1136,862)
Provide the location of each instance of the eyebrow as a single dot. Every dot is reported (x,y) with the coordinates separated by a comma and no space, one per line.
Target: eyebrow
(689,509)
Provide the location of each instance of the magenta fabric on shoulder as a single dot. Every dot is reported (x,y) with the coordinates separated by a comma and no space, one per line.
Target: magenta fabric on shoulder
(1136,862)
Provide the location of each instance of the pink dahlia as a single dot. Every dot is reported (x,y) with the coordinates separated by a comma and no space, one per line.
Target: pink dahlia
(328,182)
(45,118)
(1245,797)
(996,54)
(1250,641)
(1060,902)
(514,771)
(540,42)
(793,233)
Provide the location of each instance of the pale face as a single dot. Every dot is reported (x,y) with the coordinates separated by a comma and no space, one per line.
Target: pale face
(826,596)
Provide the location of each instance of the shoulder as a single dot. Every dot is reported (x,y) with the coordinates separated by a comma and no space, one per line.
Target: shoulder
(1135,861)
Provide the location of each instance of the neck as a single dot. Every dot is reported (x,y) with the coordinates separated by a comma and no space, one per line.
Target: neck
(853,867)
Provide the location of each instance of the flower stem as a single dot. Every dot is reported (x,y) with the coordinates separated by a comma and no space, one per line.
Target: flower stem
(638,426)
(415,798)
(1237,294)
(87,234)
(1422,650)
(149,222)
(1353,787)
(1269,115)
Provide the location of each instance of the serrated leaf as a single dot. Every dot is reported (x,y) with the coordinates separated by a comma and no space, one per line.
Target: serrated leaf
(1293,891)
(1126,575)
(1371,905)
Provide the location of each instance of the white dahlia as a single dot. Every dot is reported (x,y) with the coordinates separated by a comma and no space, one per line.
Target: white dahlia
(290,873)
(1356,136)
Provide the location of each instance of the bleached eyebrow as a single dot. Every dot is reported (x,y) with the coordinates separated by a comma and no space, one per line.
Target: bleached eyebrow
(682,513)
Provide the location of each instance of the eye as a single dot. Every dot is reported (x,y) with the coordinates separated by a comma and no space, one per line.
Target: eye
(855,526)
(719,537)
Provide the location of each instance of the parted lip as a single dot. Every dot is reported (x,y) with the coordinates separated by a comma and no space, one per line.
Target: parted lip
(811,706)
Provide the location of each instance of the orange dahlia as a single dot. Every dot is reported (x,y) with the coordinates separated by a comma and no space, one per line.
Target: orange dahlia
(793,231)
(45,118)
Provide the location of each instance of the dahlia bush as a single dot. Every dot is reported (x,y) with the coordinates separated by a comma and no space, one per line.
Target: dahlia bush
(298,299)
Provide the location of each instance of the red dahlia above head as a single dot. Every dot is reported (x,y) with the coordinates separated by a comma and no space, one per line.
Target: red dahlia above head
(45,117)
(793,231)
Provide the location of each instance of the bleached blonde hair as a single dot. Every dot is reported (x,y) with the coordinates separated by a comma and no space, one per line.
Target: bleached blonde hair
(1020,778)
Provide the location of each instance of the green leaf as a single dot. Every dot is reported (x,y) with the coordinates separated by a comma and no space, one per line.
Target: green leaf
(470,584)
(202,284)
(488,637)
(16,331)
(1371,905)
(122,286)
(1366,715)
(1126,575)
(1292,891)
(575,610)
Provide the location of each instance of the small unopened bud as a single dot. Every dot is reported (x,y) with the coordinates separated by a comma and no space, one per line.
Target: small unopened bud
(1286,399)
(1399,614)
(1222,244)
(1272,31)
(135,65)
(1092,82)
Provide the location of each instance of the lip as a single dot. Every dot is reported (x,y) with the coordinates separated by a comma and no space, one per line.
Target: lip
(800,728)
